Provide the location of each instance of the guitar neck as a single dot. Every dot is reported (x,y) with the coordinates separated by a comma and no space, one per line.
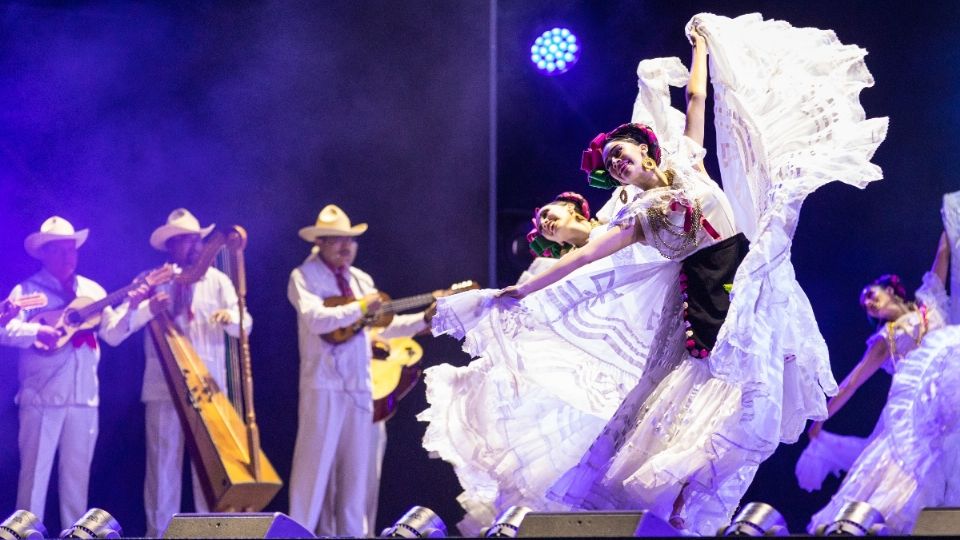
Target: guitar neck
(410,302)
(110,300)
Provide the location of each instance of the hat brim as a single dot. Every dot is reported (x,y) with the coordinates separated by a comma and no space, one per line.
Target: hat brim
(159,237)
(35,241)
(310,234)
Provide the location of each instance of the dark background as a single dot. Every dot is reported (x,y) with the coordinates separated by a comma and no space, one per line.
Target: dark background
(260,113)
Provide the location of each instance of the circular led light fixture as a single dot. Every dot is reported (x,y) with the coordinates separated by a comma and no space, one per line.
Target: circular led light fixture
(555,51)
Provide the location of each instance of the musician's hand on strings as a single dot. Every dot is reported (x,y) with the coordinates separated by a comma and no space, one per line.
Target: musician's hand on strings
(373,302)
(159,303)
(48,336)
(138,295)
(221,316)
(8,310)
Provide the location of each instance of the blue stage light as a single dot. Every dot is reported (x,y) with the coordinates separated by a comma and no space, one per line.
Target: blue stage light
(555,51)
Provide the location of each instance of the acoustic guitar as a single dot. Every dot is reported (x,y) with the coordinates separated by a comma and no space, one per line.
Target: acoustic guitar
(388,308)
(83,313)
(394,370)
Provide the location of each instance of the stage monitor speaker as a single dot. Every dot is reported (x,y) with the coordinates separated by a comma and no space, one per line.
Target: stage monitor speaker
(938,522)
(594,524)
(249,525)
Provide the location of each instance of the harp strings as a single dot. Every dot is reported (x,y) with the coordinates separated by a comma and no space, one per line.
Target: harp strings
(234,383)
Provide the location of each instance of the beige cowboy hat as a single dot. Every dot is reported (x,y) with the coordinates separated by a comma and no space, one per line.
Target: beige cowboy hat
(332,221)
(180,221)
(54,228)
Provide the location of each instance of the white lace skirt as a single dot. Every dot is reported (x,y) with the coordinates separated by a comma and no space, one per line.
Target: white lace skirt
(910,463)
(548,374)
(677,444)
(828,453)
(701,431)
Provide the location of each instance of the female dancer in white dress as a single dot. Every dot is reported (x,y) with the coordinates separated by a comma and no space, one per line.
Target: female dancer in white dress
(898,469)
(508,422)
(782,138)
(738,380)
(901,328)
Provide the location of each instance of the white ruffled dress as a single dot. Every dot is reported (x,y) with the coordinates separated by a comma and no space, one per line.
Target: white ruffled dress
(908,460)
(554,367)
(549,372)
(830,453)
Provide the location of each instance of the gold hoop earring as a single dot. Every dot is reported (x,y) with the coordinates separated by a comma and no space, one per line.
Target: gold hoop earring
(648,163)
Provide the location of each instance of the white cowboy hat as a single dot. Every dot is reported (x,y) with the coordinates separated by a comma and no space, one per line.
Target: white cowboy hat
(55,228)
(332,221)
(180,221)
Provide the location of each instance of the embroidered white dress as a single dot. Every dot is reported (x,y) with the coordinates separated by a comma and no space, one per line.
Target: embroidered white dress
(707,422)
(531,403)
(830,453)
(908,461)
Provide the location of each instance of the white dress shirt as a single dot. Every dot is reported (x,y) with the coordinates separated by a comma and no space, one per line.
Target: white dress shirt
(69,375)
(344,367)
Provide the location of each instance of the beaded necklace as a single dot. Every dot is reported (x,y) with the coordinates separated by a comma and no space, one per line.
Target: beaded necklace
(921,332)
(674,241)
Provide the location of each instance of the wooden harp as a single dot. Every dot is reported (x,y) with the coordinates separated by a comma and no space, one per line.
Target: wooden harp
(235,474)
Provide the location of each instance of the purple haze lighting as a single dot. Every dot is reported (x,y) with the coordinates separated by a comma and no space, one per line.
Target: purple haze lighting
(555,51)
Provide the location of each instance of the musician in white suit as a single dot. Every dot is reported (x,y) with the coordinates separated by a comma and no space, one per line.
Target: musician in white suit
(338,445)
(59,390)
(204,311)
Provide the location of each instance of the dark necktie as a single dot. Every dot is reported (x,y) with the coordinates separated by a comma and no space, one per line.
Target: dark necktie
(343,282)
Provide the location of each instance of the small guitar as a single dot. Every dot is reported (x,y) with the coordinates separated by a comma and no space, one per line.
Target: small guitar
(394,370)
(388,308)
(83,313)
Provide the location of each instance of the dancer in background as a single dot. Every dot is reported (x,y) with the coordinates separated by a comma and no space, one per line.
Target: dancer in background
(561,225)
(727,377)
(901,326)
(905,463)
(509,422)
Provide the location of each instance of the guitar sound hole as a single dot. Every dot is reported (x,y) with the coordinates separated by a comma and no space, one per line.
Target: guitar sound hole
(74,318)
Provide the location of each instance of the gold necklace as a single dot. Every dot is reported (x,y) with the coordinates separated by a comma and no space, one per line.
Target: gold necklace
(921,332)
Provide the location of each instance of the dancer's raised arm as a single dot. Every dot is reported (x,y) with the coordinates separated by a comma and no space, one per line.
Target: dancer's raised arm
(941,262)
(697,89)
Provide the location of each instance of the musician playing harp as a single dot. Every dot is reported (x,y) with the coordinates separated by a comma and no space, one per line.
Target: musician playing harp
(59,390)
(339,449)
(204,311)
